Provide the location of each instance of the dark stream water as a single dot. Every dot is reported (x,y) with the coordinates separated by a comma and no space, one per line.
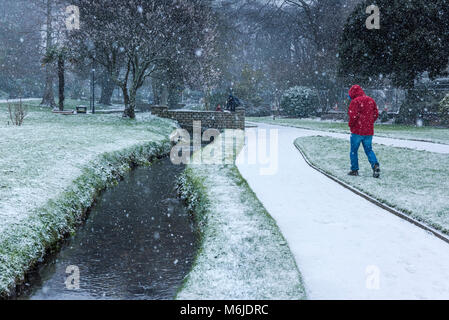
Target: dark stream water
(137,243)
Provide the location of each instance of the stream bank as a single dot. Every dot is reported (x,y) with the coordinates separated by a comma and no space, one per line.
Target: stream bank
(138,243)
(25,245)
(242,254)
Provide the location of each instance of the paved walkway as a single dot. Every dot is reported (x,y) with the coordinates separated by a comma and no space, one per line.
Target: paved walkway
(345,246)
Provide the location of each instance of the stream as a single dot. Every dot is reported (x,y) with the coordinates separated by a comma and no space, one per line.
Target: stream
(137,243)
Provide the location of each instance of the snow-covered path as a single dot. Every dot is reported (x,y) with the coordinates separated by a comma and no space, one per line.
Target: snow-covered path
(345,246)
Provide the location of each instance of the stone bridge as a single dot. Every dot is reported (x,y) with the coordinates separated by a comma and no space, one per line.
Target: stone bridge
(209,119)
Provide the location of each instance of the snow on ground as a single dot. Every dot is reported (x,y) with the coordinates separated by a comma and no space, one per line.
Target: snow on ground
(17,100)
(415,182)
(242,254)
(345,246)
(41,158)
(52,167)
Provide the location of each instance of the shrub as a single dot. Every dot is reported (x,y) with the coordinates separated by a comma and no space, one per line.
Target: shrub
(419,104)
(444,109)
(299,102)
(17,113)
(384,117)
(260,111)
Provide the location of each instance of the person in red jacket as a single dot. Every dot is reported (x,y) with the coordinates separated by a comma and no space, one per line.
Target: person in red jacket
(363,112)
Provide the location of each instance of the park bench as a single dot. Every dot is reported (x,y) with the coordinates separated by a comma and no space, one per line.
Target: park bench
(81,110)
(66,112)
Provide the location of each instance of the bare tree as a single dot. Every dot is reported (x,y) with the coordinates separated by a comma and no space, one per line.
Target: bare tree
(20,38)
(134,39)
(48,98)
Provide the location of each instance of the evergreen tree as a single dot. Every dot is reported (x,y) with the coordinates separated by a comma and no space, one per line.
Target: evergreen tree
(413,38)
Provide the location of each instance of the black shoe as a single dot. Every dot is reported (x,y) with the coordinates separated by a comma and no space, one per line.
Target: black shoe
(354,173)
(376,171)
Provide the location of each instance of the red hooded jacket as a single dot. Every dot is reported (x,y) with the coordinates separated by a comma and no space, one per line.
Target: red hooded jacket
(362,112)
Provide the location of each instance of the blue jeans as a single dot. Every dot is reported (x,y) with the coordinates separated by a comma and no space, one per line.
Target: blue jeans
(367,142)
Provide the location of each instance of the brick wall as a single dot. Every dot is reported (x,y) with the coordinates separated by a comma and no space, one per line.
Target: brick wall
(209,119)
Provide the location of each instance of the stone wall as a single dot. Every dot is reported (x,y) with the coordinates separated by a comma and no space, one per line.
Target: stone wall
(209,119)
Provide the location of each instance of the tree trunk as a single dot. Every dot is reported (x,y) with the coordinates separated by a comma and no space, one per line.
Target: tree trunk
(107,89)
(130,103)
(48,98)
(207,95)
(130,109)
(156,85)
(61,82)
(164,96)
(125,95)
(77,89)
(174,96)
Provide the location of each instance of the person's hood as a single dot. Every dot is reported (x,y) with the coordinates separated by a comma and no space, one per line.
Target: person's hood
(356,91)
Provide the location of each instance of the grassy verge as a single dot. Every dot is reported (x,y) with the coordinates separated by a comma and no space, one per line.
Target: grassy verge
(242,253)
(414,182)
(53,167)
(430,134)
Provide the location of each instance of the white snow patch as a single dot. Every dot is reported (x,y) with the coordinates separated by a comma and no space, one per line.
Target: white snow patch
(242,255)
(338,238)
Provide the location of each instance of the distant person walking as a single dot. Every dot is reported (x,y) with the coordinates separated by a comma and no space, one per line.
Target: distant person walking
(363,112)
(232,103)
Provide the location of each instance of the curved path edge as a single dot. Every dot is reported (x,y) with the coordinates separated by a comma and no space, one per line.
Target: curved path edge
(345,246)
(417,144)
(398,213)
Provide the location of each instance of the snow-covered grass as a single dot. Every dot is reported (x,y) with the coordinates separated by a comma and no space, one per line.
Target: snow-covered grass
(242,253)
(27,100)
(430,134)
(52,168)
(415,182)
(71,104)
